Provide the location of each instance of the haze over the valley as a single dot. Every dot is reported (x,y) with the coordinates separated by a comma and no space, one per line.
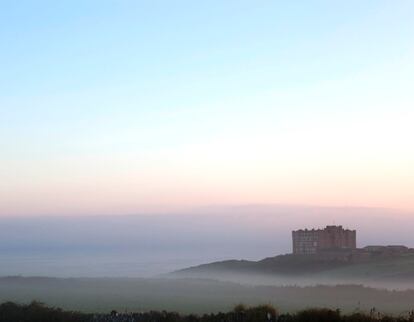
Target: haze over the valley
(148,245)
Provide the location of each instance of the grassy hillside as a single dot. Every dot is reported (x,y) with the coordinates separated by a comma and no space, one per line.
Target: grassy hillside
(391,271)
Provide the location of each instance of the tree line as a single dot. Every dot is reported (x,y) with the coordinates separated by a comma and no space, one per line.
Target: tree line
(38,312)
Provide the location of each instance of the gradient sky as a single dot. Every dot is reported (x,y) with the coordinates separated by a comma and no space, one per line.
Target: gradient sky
(120,107)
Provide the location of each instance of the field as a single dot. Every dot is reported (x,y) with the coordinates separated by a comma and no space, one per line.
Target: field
(195,296)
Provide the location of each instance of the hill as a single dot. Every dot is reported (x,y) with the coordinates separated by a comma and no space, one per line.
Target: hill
(391,270)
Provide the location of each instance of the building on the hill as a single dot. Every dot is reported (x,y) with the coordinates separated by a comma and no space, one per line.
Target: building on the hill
(319,240)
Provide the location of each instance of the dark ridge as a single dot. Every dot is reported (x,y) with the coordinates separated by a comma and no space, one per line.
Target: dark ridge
(392,264)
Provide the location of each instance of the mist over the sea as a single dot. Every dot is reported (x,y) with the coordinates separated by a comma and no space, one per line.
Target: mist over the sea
(148,245)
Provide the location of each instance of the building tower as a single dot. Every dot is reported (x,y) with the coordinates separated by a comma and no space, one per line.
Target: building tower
(317,240)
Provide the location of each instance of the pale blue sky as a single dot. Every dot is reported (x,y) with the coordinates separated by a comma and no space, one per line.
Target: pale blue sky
(167,102)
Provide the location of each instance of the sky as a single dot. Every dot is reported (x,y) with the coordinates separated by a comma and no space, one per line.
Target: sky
(127,107)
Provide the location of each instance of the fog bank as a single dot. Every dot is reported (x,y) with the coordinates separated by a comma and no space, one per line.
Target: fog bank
(148,245)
